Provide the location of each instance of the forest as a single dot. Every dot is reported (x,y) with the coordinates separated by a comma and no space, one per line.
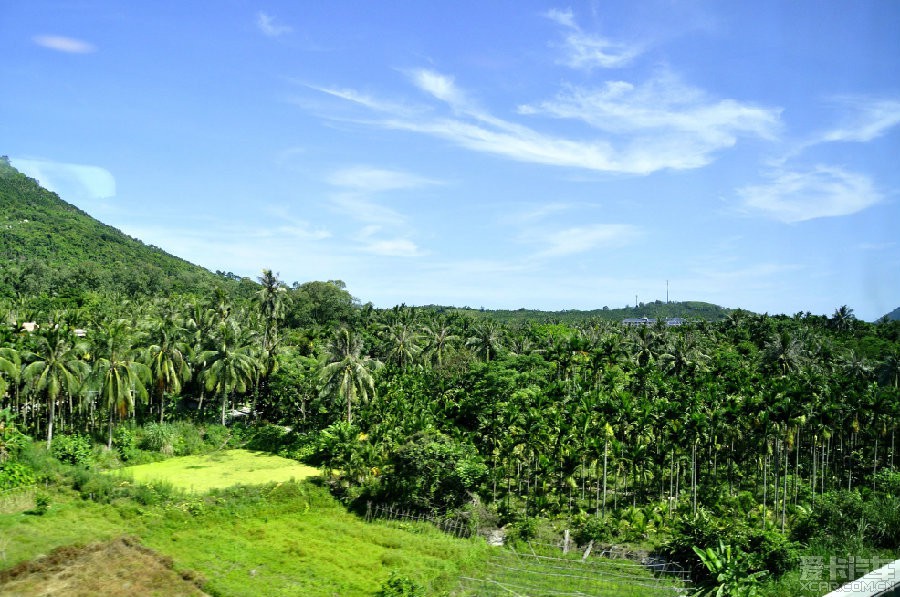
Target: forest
(732,446)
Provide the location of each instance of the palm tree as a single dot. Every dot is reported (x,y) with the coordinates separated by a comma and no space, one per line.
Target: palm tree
(231,367)
(486,341)
(347,375)
(404,344)
(11,370)
(168,366)
(120,377)
(439,338)
(843,318)
(54,367)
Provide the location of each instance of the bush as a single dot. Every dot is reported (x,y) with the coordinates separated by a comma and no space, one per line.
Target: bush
(72,449)
(188,439)
(15,474)
(591,528)
(12,442)
(836,520)
(398,585)
(524,530)
(125,443)
(268,438)
(215,436)
(159,437)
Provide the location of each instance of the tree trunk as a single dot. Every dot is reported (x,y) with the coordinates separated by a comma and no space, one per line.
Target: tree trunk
(50,421)
(605,453)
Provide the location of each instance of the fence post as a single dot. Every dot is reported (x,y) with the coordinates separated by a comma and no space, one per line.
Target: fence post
(566,542)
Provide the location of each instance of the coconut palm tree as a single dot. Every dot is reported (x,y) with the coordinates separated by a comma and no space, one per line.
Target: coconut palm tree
(54,366)
(486,340)
(346,376)
(169,367)
(231,367)
(118,374)
(10,371)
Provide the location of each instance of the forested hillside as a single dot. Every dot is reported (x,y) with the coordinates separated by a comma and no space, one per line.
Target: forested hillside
(691,310)
(49,247)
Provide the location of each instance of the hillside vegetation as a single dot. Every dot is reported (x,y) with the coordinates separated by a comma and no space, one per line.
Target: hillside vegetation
(50,247)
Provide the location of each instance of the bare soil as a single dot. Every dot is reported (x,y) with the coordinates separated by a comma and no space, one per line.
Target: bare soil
(118,567)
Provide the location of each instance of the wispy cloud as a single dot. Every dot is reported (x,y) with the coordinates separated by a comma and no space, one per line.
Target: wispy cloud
(580,239)
(663,122)
(69,45)
(397,247)
(376,180)
(267,24)
(636,130)
(867,119)
(73,182)
(824,191)
(584,51)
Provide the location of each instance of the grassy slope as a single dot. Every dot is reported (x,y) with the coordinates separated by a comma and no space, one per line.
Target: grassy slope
(285,539)
(220,469)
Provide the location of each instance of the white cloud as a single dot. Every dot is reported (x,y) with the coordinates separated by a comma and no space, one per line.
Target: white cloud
(72,182)
(824,191)
(69,45)
(440,86)
(398,247)
(269,27)
(870,119)
(580,239)
(665,122)
(661,125)
(376,180)
(585,51)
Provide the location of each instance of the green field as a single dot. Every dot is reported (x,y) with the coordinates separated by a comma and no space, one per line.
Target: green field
(277,539)
(199,474)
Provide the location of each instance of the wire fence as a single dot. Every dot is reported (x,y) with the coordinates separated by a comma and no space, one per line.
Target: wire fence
(552,569)
(512,572)
(452,525)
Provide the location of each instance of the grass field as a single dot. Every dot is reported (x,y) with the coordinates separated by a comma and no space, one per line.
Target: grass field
(280,538)
(549,573)
(220,469)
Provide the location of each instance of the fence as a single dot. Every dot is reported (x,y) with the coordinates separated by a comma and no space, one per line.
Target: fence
(536,572)
(553,569)
(452,525)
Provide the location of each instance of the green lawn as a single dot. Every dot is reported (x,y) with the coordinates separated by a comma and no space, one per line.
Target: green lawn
(199,474)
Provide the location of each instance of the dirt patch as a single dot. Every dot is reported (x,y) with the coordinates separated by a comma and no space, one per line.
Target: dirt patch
(118,567)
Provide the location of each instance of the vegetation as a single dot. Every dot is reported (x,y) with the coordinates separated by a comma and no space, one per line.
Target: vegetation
(733,445)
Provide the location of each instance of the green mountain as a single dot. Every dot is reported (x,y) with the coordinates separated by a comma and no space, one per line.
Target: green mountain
(893,315)
(50,247)
(691,310)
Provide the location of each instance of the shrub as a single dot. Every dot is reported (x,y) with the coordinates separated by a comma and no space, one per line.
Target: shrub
(215,436)
(188,439)
(72,449)
(125,443)
(159,437)
(12,442)
(591,528)
(15,474)
(524,530)
(268,438)
(398,585)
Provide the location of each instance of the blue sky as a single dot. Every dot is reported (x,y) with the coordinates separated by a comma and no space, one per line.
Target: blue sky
(495,154)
